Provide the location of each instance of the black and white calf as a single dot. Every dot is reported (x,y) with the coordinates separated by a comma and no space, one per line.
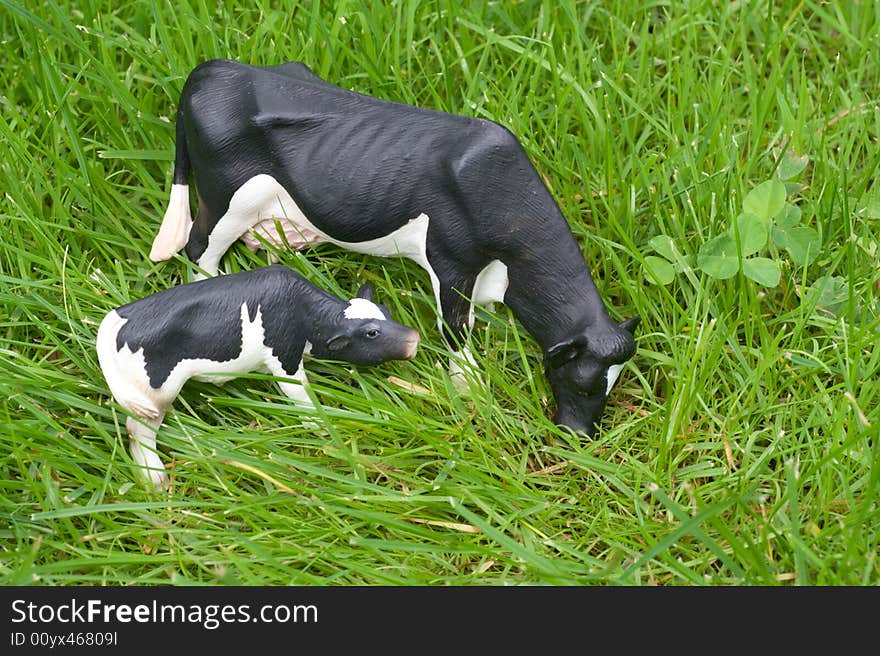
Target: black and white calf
(279,152)
(261,320)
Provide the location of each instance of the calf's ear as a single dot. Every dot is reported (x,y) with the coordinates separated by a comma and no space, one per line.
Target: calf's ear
(630,325)
(338,343)
(365,292)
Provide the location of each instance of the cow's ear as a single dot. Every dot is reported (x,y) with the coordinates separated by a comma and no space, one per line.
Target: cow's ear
(559,354)
(338,343)
(365,292)
(630,325)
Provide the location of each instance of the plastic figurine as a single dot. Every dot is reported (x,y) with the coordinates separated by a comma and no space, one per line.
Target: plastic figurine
(260,320)
(278,147)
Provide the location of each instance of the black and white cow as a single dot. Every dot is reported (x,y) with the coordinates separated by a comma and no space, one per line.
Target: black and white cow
(280,152)
(260,320)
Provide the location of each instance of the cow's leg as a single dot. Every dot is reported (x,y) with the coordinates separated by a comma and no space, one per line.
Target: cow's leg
(142,434)
(260,203)
(445,255)
(224,234)
(297,391)
(455,323)
(197,248)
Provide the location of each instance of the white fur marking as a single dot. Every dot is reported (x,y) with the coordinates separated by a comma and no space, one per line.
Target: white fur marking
(143,450)
(124,371)
(294,391)
(611,376)
(251,357)
(491,284)
(176,224)
(361,308)
(489,287)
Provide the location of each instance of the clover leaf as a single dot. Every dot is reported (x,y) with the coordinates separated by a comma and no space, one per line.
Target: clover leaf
(718,257)
(766,200)
(762,270)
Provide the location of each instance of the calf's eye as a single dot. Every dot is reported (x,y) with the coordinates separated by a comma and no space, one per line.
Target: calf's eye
(372,333)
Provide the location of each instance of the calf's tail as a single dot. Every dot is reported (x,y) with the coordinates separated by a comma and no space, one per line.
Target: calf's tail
(177,222)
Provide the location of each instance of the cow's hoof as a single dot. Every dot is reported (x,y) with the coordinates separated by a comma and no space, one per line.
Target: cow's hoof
(463,372)
(157,478)
(310,425)
(459,381)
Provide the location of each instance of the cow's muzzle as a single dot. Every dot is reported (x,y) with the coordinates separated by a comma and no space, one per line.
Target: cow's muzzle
(411,345)
(581,414)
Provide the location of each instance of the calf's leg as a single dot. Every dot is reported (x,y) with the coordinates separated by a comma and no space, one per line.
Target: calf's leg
(142,434)
(296,391)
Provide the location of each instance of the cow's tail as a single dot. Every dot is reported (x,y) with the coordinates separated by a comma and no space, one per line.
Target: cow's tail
(177,222)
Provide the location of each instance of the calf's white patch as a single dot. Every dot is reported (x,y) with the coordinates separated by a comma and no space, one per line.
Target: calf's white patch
(361,308)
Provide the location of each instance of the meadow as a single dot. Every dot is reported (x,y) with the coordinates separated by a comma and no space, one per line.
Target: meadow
(717,163)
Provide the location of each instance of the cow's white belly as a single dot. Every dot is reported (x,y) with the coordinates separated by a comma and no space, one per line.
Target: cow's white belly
(262,205)
(263,200)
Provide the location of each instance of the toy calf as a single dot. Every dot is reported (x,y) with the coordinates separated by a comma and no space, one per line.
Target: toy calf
(260,320)
(279,146)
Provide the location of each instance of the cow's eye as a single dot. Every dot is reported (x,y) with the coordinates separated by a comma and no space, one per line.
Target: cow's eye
(372,333)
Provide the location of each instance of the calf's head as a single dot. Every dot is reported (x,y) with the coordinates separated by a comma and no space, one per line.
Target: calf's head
(582,370)
(363,333)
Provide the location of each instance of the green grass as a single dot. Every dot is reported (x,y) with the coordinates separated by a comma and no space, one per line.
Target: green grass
(741,444)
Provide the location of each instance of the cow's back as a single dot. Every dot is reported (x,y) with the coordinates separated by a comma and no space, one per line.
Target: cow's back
(357,166)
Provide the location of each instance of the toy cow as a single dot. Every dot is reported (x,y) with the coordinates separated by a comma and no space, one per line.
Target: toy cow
(278,147)
(260,320)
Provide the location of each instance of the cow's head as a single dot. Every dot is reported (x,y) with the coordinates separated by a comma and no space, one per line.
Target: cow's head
(364,333)
(582,370)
